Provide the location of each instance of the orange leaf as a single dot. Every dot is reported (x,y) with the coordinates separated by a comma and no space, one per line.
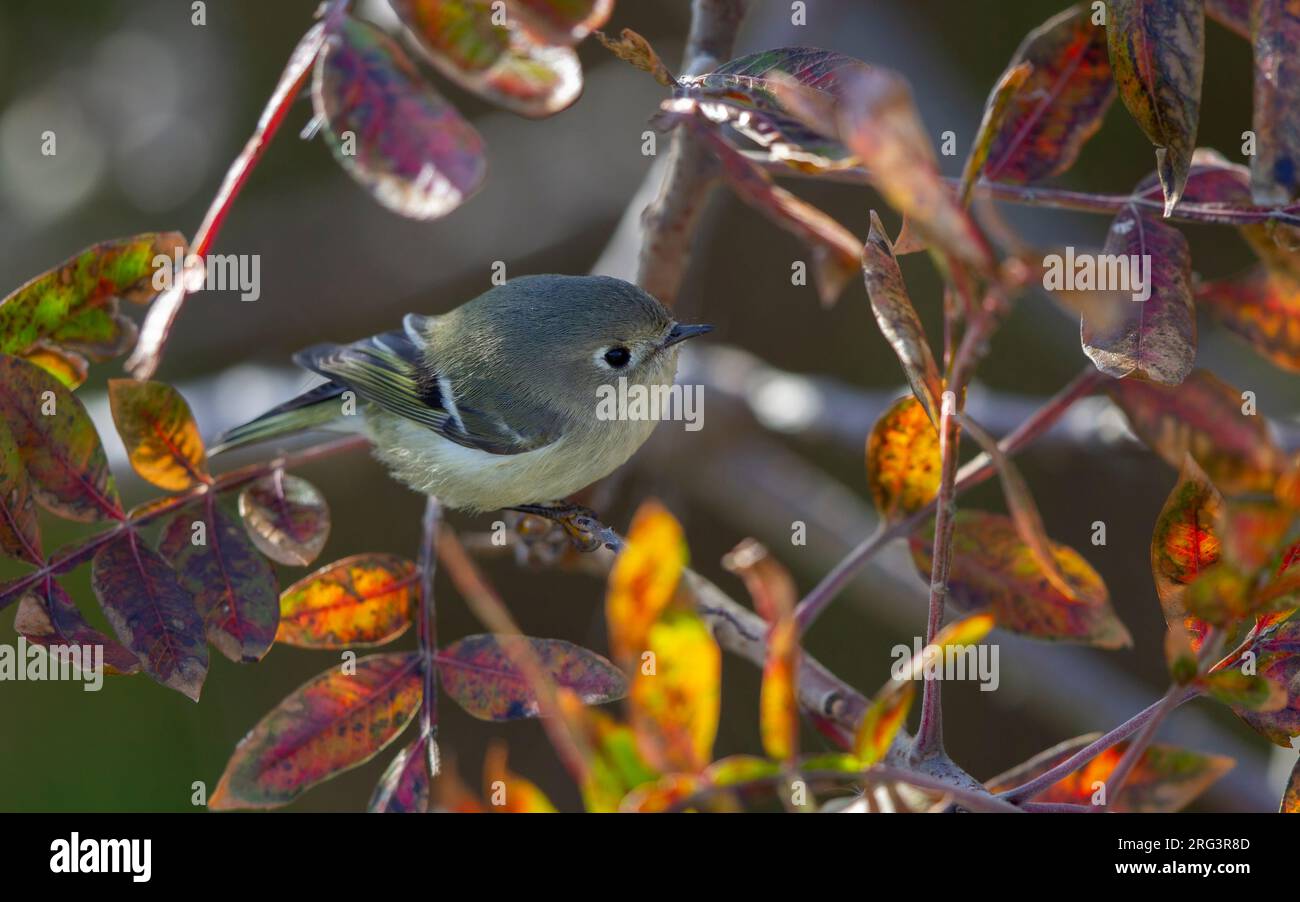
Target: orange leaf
(643,579)
(903,461)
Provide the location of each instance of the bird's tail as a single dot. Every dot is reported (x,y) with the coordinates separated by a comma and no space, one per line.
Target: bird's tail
(311,410)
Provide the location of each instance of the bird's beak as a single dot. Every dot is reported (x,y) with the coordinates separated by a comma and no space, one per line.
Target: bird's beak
(679,333)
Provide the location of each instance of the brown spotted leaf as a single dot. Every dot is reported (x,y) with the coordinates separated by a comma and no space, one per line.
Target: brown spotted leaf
(286,517)
(58,444)
(993,570)
(404,786)
(898,320)
(1207,418)
(903,462)
(233,586)
(162,440)
(47,616)
(1059,106)
(334,722)
(151,613)
(1157,53)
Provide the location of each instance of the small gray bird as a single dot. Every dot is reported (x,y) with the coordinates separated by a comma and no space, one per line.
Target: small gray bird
(494,405)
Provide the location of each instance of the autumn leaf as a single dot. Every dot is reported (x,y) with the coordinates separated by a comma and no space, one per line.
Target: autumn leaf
(676,694)
(404,786)
(1165,779)
(1275,35)
(506,791)
(1274,650)
(898,320)
(1156,335)
(1207,418)
(20,534)
(768,581)
(779,694)
(361,600)
(1184,544)
(668,792)
(332,723)
(560,21)
(234,588)
(389,129)
(644,579)
(286,517)
(502,65)
(994,570)
(162,440)
(616,765)
(1291,798)
(903,461)
(48,617)
(63,316)
(58,444)
(480,675)
(1261,306)
(635,50)
(1157,53)
(151,613)
(1059,105)
(1244,690)
(996,110)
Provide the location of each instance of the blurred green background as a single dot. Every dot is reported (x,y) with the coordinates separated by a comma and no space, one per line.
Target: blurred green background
(149,111)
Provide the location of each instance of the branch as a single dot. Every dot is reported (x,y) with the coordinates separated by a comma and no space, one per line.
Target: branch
(669,221)
(428,625)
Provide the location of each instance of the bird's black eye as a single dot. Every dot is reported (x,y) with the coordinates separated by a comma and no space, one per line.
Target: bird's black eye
(618,357)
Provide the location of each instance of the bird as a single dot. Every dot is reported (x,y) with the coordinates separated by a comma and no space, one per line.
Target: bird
(493,405)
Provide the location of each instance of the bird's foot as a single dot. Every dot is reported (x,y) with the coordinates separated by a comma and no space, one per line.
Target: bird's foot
(580,523)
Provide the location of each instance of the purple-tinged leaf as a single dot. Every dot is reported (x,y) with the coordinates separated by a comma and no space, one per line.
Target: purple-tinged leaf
(996,110)
(478,673)
(1276,650)
(1261,306)
(287,518)
(1233,15)
(390,129)
(234,587)
(1275,33)
(1157,54)
(898,320)
(1154,336)
(48,617)
(20,534)
(151,613)
(1060,105)
(58,444)
(499,64)
(334,722)
(404,787)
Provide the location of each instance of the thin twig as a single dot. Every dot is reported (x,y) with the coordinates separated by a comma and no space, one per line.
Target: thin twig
(428,626)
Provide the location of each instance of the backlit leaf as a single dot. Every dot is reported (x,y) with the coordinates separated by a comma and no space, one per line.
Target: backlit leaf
(994,570)
(635,50)
(903,461)
(1203,417)
(616,765)
(675,709)
(1166,778)
(1291,798)
(74,306)
(234,587)
(898,320)
(1059,106)
(1275,647)
(58,444)
(68,367)
(1232,687)
(1155,336)
(643,579)
(1184,544)
(883,719)
(404,787)
(1275,34)
(663,794)
(779,695)
(20,534)
(506,791)
(736,769)
(389,128)
(477,671)
(996,110)
(500,64)
(1157,53)
(162,440)
(287,518)
(48,617)
(332,723)
(362,600)
(560,21)
(1261,306)
(768,581)
(151,613)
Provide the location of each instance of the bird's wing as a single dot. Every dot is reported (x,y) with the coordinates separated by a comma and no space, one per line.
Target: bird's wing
(392,371)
